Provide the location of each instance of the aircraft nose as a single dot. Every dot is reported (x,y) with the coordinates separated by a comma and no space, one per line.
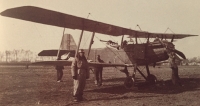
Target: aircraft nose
(171,46)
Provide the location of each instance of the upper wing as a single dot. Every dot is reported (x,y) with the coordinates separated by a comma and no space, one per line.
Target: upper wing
(68,63)
(167,35)
(49,17)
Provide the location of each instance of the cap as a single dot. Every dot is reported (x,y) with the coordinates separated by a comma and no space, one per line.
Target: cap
(81,51)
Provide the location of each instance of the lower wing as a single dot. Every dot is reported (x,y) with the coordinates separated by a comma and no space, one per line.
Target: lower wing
(68,63)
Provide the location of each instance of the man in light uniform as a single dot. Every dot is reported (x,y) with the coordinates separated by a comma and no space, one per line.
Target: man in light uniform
(80,72)
(172,63)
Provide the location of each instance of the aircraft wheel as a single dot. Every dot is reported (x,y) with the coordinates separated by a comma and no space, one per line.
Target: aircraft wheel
(151,79)
(128,83)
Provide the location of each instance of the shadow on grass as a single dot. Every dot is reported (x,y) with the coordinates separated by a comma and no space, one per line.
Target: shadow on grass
(162,87)
(122,97)
(118,92)
(166,87)
(120,80)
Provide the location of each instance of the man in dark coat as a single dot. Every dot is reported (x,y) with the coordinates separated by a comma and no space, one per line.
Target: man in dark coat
(59,73)
(98,72)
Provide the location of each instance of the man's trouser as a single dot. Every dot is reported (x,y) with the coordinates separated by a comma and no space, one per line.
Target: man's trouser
(98,75)
(175,77)
(59,74)
(79,83)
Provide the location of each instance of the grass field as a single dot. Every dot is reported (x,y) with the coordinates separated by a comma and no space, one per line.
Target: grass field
(37,86)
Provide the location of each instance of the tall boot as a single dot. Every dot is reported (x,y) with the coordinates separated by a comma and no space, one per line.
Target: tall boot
(175,77)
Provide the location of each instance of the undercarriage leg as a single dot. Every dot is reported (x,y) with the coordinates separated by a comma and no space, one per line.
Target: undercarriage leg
(141,74)
(134,72)
(150,77)
(147,68)
(125,70)
(128,83)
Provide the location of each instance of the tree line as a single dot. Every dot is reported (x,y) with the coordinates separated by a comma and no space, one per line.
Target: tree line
(30,56)
(21,56)
(194,59)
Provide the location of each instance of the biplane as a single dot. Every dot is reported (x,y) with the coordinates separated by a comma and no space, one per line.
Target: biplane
(138,53)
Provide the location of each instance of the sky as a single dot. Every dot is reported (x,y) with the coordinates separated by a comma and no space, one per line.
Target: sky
(181,16)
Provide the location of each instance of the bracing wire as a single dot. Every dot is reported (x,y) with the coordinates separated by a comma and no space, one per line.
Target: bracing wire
(140,30)
(169,30)
(85,42)
(84,37)
(113,52)
(37,30)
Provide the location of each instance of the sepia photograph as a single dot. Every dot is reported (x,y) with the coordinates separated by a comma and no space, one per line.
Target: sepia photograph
(99,53)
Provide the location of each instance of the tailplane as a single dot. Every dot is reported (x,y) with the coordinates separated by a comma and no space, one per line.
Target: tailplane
(66,50)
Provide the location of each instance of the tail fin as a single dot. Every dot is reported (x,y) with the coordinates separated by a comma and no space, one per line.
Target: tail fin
(67,48)
(68,43)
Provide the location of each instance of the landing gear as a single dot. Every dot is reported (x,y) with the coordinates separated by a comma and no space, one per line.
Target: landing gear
(129,82)
(151,79)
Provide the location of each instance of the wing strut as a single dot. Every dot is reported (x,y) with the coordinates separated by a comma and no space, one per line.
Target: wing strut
(148,38)
(122,40)
(136,38)
(91,42)
(172,38)
(58,57)
(79,42)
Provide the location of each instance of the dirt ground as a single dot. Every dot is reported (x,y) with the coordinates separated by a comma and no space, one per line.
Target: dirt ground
(37,86)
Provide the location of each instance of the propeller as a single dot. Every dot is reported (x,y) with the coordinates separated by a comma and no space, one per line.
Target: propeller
(167,46)
(179,53)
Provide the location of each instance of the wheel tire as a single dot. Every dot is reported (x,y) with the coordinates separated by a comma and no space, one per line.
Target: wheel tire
(128,83)
(151,79)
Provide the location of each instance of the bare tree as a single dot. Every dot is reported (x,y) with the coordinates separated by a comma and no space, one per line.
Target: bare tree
(28,55)
(16,53)
(1,56)
(7,55)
